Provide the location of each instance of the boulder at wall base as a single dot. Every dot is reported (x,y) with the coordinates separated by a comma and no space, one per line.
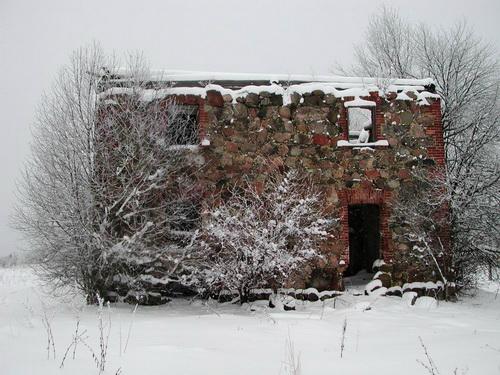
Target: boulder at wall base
(289,305)
(437,290)
(289,292)
(312,297)
(146,299)
(379,291)
(420,291)
(417,287)
(327,294)
(311,294)
(259,294)
(281,302)
(394,291)
(299,295)
(372,285)
(409,298)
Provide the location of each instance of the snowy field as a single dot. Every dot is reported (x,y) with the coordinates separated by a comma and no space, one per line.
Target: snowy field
(382,335)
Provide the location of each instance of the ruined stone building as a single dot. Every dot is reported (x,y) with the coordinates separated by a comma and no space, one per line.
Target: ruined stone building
(359,139)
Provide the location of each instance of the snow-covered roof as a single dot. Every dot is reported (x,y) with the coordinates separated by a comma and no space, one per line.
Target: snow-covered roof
(179,82)
(226,79)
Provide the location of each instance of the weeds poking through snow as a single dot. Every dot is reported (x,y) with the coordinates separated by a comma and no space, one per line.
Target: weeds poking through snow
(342,341)
(76,339)
(103,338)
(430,366)
(92,353)
(73,344)
(80,337)
(130,327)
(100,358)
(50,337)
(292,359)
(104,333)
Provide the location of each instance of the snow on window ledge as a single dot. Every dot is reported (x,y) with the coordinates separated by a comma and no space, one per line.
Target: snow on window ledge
(379,143)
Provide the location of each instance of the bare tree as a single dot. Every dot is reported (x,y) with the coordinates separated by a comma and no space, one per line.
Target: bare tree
(56,204)
(465,70)
(109,195)
(257,239)
(388,50)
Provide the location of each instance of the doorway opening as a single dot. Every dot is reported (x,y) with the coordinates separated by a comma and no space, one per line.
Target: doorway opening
(364,237)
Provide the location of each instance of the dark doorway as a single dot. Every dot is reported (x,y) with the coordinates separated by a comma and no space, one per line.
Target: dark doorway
(364,237)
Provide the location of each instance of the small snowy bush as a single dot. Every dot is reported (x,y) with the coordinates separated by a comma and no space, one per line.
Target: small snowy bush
(257,239)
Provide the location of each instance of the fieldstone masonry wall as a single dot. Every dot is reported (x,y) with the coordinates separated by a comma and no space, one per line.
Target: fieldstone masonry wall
(258,134)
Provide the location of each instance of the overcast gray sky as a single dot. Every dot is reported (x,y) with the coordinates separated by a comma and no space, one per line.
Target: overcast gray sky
(273,36)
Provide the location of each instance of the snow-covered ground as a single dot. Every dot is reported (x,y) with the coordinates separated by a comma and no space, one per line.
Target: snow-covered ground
(382,335)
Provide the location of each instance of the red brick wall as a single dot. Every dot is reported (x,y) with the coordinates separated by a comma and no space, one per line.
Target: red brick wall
(435,131)
(438,154)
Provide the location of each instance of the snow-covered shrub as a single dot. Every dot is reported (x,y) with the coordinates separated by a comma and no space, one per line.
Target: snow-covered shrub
(109,198)
(256,239)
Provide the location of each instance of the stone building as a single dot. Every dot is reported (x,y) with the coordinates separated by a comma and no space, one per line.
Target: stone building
(359,139)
